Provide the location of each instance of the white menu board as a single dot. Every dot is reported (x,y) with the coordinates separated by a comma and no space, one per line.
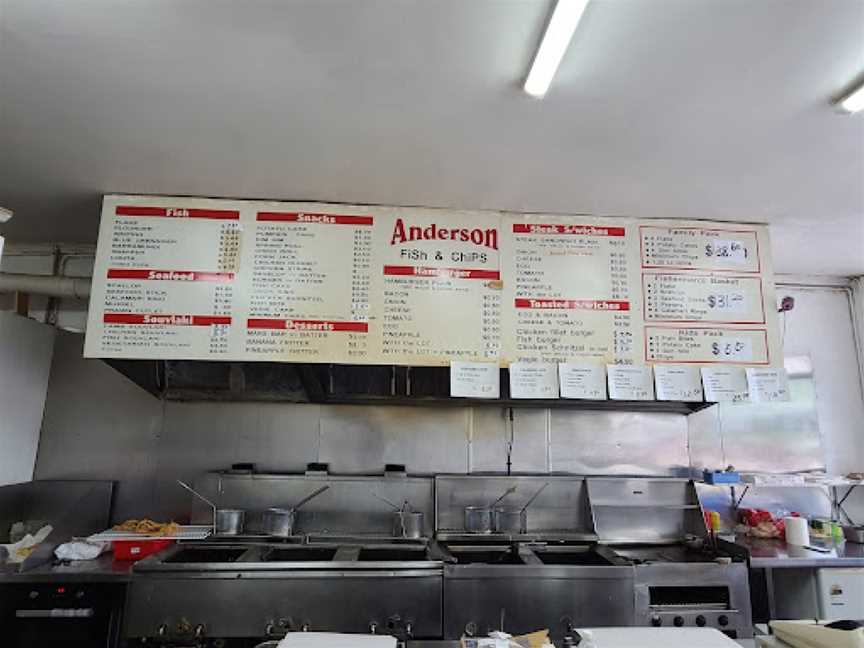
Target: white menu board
(475,379)
(437,282)
(584,381)
(308,284)
(630,383)
(571,289)
(165,281)
(767,385)
(203,279)
(724,384)
(533,380)
(677,383)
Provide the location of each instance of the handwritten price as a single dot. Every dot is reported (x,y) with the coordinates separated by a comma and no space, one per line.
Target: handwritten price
(734,349)
(731,250)
(726,301)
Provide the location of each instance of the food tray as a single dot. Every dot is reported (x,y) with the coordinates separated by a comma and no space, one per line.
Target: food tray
(187,532)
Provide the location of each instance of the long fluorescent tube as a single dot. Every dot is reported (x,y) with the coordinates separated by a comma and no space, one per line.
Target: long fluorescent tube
(853,102)
(565,19)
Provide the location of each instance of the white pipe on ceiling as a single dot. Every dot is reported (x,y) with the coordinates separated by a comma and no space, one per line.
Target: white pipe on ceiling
(70,287)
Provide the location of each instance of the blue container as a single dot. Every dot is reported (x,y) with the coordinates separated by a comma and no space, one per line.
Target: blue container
(720,477)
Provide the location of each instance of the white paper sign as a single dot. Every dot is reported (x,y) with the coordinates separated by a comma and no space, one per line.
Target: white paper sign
(586,381)
(678,383)
(630,382)
(724,384)
(767,385)
(474,379)
(533,380)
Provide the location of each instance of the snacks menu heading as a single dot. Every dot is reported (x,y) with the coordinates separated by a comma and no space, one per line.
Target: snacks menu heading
(204,279)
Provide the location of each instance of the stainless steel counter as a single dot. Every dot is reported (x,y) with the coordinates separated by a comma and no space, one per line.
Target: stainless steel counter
(776,554)
(103,569)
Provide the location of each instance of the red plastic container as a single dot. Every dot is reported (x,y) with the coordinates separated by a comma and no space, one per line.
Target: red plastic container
(138,549)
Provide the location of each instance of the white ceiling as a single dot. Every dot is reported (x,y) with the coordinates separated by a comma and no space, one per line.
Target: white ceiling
(712,109)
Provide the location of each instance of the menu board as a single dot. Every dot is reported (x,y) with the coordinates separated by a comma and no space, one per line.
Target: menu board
(437,282)
(307,286)
(204,279)
(570,290)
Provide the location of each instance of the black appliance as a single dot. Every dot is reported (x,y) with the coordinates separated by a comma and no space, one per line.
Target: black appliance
(77,615)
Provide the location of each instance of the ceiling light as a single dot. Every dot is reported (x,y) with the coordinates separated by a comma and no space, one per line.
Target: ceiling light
(854,101)
(5,214)
(565,18)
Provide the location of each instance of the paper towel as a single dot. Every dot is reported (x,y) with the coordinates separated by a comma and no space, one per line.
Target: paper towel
(797,531)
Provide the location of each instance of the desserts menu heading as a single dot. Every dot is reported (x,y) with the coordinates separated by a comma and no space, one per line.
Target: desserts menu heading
(194,278)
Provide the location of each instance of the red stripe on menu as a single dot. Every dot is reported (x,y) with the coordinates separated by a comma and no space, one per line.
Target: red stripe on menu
(303,217)
(307,325)
(573,304)
(177,212)
(169,275)
(578,230)
(456,273)
(165,320)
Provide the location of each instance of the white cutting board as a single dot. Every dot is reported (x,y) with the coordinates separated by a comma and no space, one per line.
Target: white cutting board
(661,638)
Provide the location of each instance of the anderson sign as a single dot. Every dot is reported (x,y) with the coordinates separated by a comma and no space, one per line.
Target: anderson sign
(194,278)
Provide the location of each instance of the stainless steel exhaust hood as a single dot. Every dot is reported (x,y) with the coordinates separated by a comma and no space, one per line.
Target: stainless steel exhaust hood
(195,380)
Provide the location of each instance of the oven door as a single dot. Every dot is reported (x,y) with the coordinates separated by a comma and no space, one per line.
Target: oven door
(46,614)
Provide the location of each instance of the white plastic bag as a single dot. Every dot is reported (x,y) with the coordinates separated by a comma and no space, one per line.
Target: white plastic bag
(80,550)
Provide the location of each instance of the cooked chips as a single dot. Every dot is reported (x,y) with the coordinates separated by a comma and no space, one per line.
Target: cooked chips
(148,527)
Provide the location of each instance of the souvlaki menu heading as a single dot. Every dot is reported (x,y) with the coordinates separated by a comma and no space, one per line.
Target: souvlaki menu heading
(194,278)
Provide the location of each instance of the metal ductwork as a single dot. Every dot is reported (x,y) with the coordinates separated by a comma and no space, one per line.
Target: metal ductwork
(69,287)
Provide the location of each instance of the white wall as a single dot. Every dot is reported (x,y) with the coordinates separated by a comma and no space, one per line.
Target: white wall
(821,326)
(25,363)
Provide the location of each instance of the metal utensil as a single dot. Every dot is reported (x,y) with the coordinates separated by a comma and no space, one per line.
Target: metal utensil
(534,496)
(230,521)
(386,501)
(279,522)
(510,490)
(408,524)
(202,498)
(478,519)
(510,519)
(310,497)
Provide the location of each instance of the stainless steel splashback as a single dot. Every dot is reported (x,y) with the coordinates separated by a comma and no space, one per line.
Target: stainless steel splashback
(348,507)
(762,437)
(561,509)
(644,510)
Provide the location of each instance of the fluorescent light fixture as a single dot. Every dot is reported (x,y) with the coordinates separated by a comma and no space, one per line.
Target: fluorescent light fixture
(565,19)
(854,101)
(5,214)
